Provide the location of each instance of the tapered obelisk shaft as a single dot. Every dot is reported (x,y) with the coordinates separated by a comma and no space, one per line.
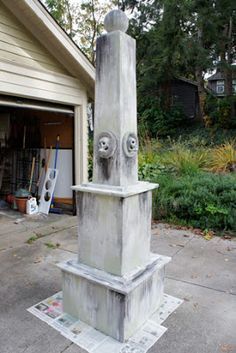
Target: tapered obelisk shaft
(115,132)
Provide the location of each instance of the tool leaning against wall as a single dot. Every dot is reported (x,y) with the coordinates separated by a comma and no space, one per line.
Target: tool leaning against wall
(54,209)
(46,202)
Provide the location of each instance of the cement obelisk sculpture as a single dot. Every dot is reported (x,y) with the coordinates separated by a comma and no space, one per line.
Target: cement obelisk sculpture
(117,283)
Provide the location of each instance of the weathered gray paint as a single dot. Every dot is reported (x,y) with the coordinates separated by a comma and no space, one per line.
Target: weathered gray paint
(122,284)
(112,243)
(117,191)
(113,305)
(116,20)
(116,284)
(115,106)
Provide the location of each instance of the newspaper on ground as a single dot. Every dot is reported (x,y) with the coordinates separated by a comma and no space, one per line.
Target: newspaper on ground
(50,311)
(168,306)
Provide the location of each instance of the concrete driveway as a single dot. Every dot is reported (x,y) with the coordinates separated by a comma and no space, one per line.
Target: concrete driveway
(203,273)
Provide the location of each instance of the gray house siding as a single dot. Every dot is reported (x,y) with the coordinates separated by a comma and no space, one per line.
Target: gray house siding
(216,79)
(212,85)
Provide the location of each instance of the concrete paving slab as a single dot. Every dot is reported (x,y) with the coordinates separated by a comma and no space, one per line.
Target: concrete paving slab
(67,239)
(8,226)
(14,239)
(27,275)
(168,241)
(204,323)
(24,221)
(75,349)
(44,340)
(207,263)
(16,231)
(53,223)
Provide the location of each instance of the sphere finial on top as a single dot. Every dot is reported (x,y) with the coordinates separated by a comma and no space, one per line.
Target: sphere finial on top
(116,20)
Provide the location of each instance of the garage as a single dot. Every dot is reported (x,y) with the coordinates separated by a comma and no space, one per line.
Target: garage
(45,85)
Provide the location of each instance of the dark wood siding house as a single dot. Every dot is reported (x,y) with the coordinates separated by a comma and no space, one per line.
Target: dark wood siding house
(184,93)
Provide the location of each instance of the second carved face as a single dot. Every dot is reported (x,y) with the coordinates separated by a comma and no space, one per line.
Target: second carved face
(130,144)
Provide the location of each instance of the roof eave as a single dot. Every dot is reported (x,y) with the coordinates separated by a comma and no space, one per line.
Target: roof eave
(55,40)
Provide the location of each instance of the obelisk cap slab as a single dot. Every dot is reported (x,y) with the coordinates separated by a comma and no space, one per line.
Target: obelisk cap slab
(116,20)
(116,191)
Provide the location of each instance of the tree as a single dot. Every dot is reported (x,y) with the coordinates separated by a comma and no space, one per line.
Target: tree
(226,10)
(64,13)
(226,44)
(83,22)
(90,25)
(160,30)
(214,23)
(174,38)
(201,39)
(182,38)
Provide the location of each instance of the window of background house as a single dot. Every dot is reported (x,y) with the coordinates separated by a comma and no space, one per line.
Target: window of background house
(234,86)
(220,86)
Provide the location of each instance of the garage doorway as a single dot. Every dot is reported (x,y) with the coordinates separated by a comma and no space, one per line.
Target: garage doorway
(30,133)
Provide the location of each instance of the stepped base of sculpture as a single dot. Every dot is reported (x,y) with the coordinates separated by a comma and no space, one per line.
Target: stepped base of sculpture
(115,305)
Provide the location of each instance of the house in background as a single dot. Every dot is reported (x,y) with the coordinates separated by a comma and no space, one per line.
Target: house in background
(184,93)
(45,84)
(216,83)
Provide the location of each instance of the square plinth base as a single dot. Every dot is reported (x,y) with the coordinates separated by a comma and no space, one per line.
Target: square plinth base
(117,306)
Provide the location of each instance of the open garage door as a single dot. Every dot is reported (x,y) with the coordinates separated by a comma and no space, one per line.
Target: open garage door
(29,131)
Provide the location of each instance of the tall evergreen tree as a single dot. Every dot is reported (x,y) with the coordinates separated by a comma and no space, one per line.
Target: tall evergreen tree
(174,38)
(185,38)
(226,44)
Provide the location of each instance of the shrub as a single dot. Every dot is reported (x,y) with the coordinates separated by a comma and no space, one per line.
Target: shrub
(149,161)
(223,158)
(149,150)
(157,120)
(203,200)
(197,135)
(185,160)
(219,112)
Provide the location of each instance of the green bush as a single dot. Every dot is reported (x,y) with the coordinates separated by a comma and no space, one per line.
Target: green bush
(157,120)
(188,194)
(197,135)
(218,112)
(203,200)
